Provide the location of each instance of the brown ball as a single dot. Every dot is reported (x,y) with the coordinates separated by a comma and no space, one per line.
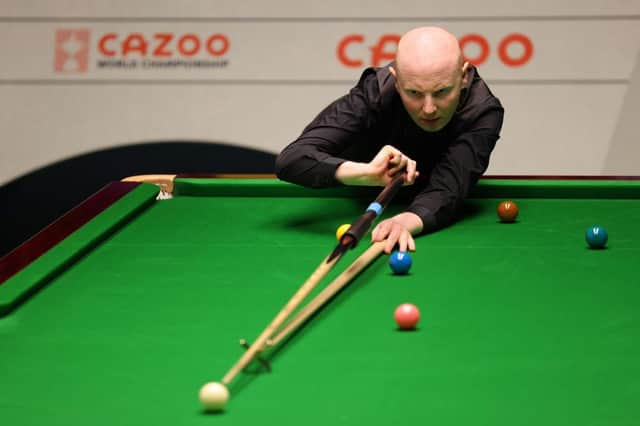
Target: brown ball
(507,211)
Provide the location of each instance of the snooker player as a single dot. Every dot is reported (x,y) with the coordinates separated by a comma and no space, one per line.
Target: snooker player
(428,113)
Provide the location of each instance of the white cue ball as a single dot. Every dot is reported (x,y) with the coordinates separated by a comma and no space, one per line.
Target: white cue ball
(214,396)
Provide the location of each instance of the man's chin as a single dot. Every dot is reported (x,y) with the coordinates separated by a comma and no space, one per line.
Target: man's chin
(430,125)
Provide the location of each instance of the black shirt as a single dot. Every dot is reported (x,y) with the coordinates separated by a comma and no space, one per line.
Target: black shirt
(356,126)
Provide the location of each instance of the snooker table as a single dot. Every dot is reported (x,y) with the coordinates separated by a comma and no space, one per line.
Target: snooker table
(117,313)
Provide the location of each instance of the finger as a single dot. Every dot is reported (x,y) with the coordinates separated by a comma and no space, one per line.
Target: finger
(395,160)
(380,232)
(403,162)
(387,161)
(384,157)
(390,153)
(400,165)
(402,242)
(411,172)
(374,234)
(390,244)
(392,239)
(411,243)
(406,242)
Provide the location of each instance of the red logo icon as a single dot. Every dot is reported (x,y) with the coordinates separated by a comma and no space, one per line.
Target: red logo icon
(71,51)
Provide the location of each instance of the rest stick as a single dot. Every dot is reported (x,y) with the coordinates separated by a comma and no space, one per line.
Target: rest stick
(329,291)
(348,241)
(293,303)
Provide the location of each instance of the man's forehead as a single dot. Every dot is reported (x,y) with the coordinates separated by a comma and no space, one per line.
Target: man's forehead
(426,63)
(433,80)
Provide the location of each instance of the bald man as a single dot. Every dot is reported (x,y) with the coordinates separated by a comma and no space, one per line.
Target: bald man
(428,113)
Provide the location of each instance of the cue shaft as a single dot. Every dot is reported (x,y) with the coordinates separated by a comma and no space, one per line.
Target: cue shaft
(329,291)
(291,305)
(382,200)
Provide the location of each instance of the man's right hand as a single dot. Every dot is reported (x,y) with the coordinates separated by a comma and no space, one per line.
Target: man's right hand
(379,171)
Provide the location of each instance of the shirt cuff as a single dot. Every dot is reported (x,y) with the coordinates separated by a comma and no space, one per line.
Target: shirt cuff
(429,222)
(328,167)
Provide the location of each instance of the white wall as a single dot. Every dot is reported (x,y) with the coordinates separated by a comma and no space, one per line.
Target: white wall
(569,107)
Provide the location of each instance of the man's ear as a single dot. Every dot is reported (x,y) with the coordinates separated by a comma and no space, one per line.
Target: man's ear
(394,73)
(465,73)
(392,70)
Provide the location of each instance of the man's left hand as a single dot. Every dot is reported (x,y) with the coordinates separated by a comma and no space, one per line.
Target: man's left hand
(398,230)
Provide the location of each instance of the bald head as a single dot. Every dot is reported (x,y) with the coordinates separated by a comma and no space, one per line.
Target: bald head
(430,74)
(428,51)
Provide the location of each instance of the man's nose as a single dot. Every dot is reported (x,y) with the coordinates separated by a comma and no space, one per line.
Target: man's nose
(428,107)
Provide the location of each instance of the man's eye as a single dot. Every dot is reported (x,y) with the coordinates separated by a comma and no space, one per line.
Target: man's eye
(442,91)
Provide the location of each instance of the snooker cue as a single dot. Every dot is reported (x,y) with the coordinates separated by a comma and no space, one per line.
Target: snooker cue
(304,290)
(348,241)
(329,291)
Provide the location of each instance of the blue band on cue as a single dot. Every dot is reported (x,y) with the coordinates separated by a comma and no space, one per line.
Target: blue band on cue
(375,207)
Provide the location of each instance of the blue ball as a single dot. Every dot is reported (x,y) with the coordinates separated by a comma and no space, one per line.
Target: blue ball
(400,262)
(596,237)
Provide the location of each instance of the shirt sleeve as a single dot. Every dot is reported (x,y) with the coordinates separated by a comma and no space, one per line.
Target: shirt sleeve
(312,159)
(455,175)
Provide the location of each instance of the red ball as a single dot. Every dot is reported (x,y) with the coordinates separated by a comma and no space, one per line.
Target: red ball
(407,316)
(507,211)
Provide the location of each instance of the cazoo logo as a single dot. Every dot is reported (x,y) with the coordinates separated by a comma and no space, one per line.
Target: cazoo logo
(139,50)
(513,50)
